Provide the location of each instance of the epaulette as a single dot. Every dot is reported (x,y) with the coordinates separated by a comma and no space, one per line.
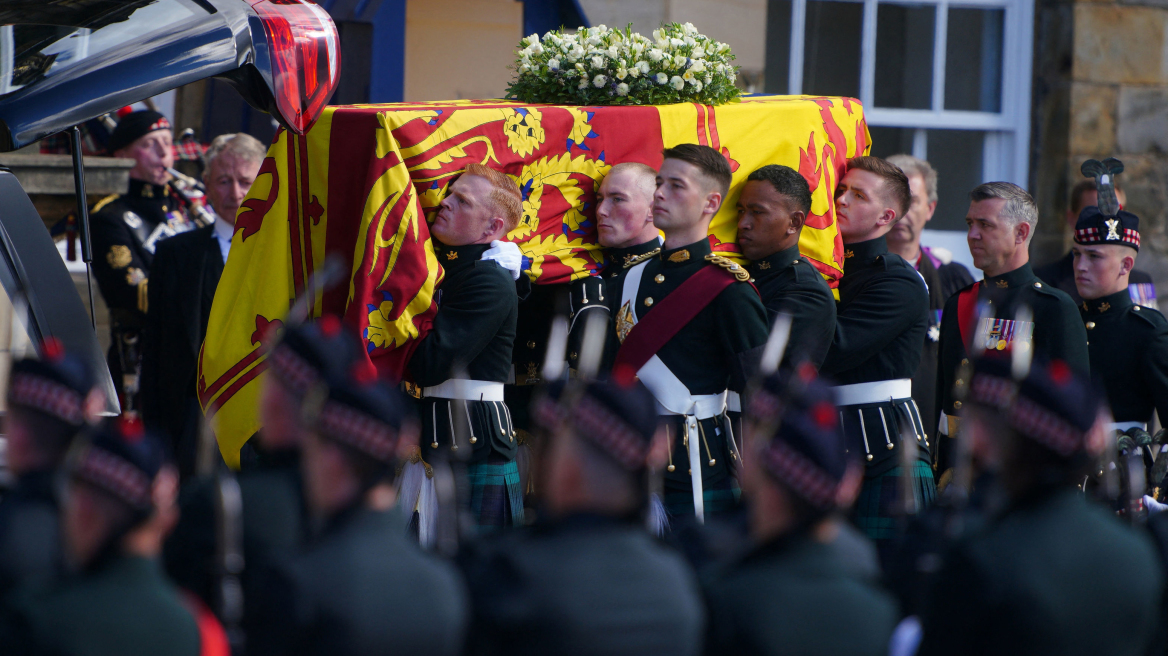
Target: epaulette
(634,261)
(1151,316)
(103,202)
(730,265)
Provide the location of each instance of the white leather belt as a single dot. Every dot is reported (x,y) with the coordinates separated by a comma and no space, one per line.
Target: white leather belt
(466,390)
(734,402)
(1126,425)
(702,406)
(874,392)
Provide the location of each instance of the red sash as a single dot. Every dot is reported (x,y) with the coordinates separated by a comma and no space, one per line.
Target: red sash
(966,305)
(674,311)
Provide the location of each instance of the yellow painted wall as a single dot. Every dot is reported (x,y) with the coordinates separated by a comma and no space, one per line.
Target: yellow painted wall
(459,49)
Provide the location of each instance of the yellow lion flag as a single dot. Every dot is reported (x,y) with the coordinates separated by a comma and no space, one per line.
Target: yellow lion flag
(362,184)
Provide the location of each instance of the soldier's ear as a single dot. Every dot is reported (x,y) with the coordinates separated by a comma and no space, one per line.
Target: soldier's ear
(493,226)
(798,218)
(1021,232)
(1126,266)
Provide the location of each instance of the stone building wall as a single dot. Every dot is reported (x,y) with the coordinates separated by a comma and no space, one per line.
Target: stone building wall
(1101,89)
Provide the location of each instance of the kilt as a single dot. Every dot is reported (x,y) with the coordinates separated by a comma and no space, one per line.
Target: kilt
(496,494)
(880,507)
(719,497)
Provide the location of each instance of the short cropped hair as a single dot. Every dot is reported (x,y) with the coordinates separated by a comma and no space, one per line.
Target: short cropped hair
(1019,207)
(787,182)
(914,166)
(709,161)
(1080,189)
(895,181)
(505,198)
(241,145)
(645,174)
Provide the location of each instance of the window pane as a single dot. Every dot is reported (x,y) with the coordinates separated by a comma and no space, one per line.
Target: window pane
(890,141)
(831,64)
(778,47)
(973,64)
(904,56)
(957,157)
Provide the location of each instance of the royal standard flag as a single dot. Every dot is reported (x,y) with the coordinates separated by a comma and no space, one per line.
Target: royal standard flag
(363,183)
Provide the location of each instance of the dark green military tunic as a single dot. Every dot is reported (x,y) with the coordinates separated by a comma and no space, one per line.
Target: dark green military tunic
(1055,574)
(362,587)
(1061,275)
(944,279)
(30,542)
(1128,345)
(795,595)
(122,607)
(787,282)
(472,337)
(616,263)
(587,585)
(716,351)
(1058,333)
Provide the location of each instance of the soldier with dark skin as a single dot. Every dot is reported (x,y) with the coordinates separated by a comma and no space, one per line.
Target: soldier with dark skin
(465,359)
(587,578)
(118,503)
(1128,343)
(689,365)
(1001,221)
(126,229)
(360,585)
(49,401)
(1052,572)
(772,209)
(881,321)
(793,592)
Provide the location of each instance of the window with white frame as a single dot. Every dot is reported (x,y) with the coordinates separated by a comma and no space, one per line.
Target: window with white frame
(946,81)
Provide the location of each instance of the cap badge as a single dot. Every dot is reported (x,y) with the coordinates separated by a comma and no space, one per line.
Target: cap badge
(1112,229)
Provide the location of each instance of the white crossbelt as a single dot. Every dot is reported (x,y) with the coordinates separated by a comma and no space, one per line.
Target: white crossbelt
(874,392)
(1126,425)
(466,390)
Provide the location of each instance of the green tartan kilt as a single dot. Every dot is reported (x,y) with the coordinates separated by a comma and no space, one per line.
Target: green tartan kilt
(496,495)
(880,507)
(720,497)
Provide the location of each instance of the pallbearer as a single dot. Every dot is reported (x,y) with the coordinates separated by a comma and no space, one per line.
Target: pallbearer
(881,321)
(1128,343)
(691,328)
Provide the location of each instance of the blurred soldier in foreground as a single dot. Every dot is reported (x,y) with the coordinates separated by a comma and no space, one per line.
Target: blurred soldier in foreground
(360,586)
(464,361)
(118,504)
(1001,220)
(793,592)
(273,515)
(184,276)
(1128,343)
(880,325)
(772,209)
(591,580)
(126,230)
(943,276)
(1053,573)
(691,328)
(49,401)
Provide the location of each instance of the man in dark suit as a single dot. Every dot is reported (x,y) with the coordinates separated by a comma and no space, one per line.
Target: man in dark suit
(184,276)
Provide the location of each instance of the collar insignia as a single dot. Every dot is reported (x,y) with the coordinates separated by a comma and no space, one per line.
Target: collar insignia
(1084,306)
(452,255)
(148,192)
(633,260)
(1105,306)
(1112,229)
(764,265)
(680,256)
(849,254)
(1002,284)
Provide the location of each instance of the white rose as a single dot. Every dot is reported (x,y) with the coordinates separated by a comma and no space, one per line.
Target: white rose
(658,35)
(656,54)
(698,66)
(599,81)
(553,64)
(622,89)
(689,41)
(600,29)
(698,53)
(613,52)
(690,29)
(697,85)
(679,61)
(644,66)
(662,78)
(535,48)
(677,83)
(598,61)
(676,43)
(593,41)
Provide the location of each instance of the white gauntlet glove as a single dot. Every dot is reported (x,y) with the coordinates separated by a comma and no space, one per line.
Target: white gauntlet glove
(508,255)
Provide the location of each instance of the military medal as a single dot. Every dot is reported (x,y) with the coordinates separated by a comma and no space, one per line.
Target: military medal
(999,334)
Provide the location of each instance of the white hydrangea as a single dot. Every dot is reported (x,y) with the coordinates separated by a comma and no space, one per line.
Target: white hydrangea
(622,89)
(583,84)
(677,83)
(662,78)
(598,61)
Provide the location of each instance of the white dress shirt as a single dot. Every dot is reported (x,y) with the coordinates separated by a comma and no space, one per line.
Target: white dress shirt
(223,231)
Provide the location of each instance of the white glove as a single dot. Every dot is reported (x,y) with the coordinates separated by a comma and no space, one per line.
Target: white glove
(1153,506)
(508,255)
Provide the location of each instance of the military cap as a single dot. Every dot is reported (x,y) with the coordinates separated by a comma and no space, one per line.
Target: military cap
(1095,227)
(121,459)
(56,384)
(618,419)
(313,351)
(805,445)
(134,126)
(362,412)
(1051,405)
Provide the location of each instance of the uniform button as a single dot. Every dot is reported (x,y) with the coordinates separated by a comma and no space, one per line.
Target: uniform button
(795,262)
(959,383)
(957,405)
(531,343)
(1136,308)
(659,278)
(1090,325)
(648,301)
(752,280)
(1038,285)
